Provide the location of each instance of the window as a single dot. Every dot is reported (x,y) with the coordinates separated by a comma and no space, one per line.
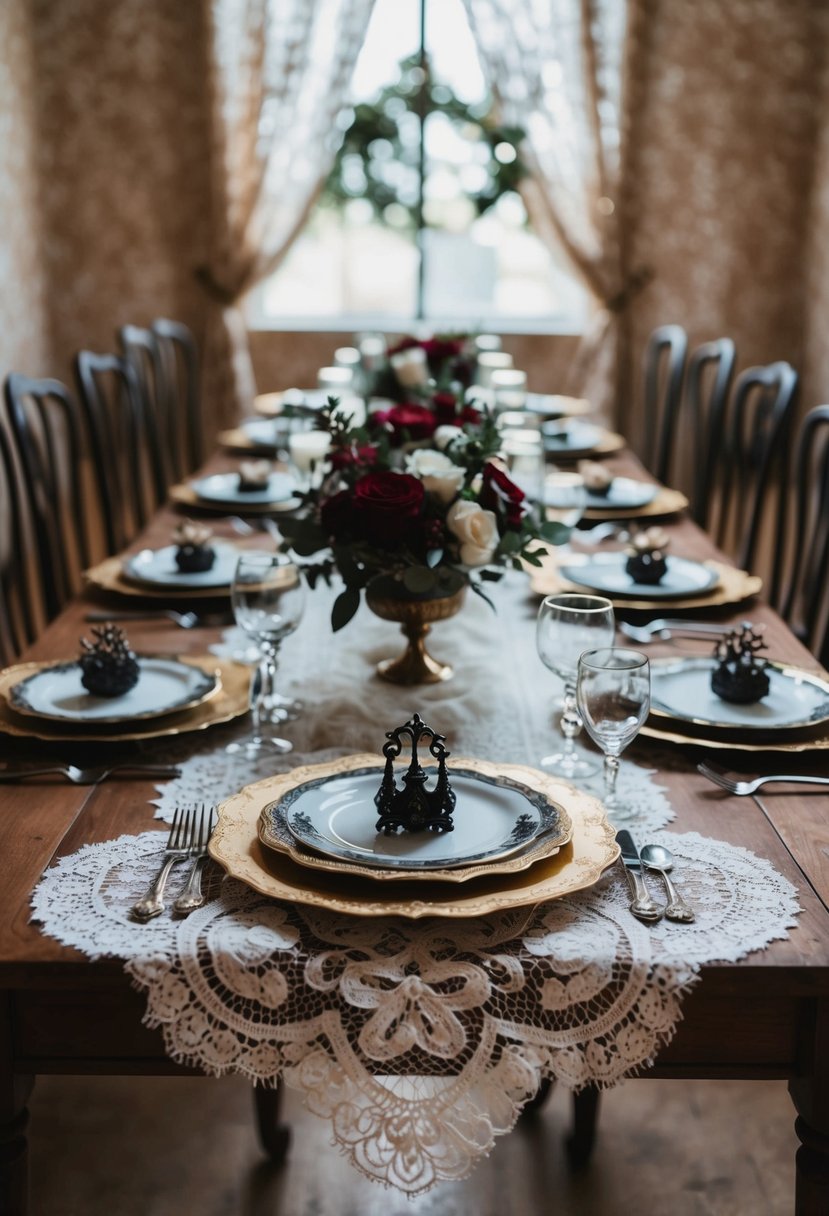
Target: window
(433,229)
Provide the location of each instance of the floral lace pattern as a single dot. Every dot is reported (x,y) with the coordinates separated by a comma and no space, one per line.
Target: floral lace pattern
(418,1041)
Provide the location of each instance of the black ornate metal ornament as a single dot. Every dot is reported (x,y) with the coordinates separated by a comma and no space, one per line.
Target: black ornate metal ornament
(415,808)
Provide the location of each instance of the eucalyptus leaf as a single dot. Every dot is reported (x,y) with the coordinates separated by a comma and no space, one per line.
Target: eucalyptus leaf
(556,533)
(344,608)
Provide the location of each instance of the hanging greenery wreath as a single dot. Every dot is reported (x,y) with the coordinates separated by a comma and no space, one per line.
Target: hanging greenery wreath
(379,158)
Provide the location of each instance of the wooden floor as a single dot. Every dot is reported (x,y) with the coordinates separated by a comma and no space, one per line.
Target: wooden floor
(172,1147)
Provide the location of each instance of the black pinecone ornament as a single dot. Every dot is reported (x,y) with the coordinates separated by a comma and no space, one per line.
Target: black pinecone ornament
(108,665)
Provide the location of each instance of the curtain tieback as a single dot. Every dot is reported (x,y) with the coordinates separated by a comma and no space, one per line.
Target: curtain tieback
(216,290)
(636,282)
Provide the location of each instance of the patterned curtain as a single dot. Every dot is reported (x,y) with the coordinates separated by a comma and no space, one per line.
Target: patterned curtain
(556,70)
(279,75)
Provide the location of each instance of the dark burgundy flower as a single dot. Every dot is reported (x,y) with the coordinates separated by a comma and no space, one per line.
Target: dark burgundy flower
(501,495)
(358,456)
(450,412)
(388,510)
(403,344)
(407,421)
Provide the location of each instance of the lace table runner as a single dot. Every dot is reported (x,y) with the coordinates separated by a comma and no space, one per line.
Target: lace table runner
(419,1041)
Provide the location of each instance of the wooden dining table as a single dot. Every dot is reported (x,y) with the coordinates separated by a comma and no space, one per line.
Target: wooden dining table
(765,1017)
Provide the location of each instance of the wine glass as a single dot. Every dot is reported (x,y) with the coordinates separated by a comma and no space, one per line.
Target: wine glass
(524,457)
(567,625)
(268,598)
(565,499)
(614,695)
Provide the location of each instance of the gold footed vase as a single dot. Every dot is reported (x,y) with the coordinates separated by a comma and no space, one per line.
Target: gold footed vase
(387,599)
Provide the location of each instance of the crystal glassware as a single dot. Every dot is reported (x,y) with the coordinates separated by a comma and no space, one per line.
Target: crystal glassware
(268,599)
(567,625)
(523,454)
(613,692)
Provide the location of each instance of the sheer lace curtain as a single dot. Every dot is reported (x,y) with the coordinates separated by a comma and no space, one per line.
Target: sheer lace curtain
(279,75)
(556,69)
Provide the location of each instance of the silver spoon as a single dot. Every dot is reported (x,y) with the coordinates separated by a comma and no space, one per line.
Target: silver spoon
(657,857)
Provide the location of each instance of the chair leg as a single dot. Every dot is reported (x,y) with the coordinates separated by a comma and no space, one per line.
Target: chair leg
(579,1144)
(274,1136)
(535,1104)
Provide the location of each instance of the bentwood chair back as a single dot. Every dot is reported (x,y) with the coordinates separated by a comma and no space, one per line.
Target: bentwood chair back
(140,348)
(805,602)
(124,443)
(751,466)
(664,369)
(18,617)
(707,385)
(48,473)
(179,361)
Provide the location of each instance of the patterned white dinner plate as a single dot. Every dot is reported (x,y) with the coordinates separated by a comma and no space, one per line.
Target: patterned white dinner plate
(553,405)
(571,437)
(157,568)
(681,690)
(494,817)
(224,488)
(164,687)
(624,494)
(605,573)
(265,433)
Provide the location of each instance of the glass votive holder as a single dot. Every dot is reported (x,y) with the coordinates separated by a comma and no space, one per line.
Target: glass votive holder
(308,450)
(509,389)
(487,342)
(523,453)
(518,420)
(335,380)
(564,497)
(488,362)
(410,366)
(347,356)
(372,348)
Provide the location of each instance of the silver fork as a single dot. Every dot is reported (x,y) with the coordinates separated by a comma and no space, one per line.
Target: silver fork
(187,620)
(179,843)
(736,785)
(90,776)
(191,895)
(665,629)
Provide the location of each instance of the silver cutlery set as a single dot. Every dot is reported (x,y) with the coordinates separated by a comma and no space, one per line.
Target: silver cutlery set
(660,860)
(188,840)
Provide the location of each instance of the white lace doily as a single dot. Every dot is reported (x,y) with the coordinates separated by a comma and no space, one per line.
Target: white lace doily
(419,1041)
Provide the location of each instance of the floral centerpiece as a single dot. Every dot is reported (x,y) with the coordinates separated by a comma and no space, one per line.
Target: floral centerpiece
(415,367)
(413,508)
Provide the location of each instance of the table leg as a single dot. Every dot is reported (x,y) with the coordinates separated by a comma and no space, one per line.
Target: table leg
(14,1149)
(810,1095)
(274,1136)
(579,1144)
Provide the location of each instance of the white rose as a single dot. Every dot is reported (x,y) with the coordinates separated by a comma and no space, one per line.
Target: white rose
(444,435)
(476,529)
(440,476)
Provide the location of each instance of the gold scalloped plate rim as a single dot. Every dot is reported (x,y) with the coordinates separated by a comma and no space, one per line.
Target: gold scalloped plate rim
(733,745)
(229,702)
(235,845)
(610,442)
(108,576)
(733,587)
(184,496)
(666,502)
(545,847)
(238,440)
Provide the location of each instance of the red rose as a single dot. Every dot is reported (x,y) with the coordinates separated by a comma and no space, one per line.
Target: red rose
(502,496)
(388,509)
(403,344)
(407,422)
(449,412)
(358,456)
(438,350)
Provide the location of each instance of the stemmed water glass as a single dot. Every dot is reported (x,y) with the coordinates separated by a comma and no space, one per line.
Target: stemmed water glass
(614,695)
(565,499)
(268,599)
(567,625)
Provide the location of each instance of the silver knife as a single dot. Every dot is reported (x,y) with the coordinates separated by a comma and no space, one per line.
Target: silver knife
(642,905)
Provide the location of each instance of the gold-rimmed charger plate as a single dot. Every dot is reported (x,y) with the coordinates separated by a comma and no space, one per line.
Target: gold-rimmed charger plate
(239,440)
(578,864)
(185,496)
(733,587)
(230,701)
(808,741)
(108,575)
(545,846)
(607,443)
(666,502)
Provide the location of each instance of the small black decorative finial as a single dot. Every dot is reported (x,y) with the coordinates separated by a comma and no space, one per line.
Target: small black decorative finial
(741,675)
(414,808)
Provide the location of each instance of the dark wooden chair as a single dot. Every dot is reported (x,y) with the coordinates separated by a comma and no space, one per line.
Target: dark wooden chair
(664,368)
(179,361)
(18,620)
(45,446)
(804,552)
(140,348)
(749,468)
(124,443)
(707,385)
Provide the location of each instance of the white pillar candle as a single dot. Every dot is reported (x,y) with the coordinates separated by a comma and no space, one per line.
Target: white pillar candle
(347,356)
(509,388)
(410,366)
(335,380)
(308,448)
(487,342)
(489,362)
